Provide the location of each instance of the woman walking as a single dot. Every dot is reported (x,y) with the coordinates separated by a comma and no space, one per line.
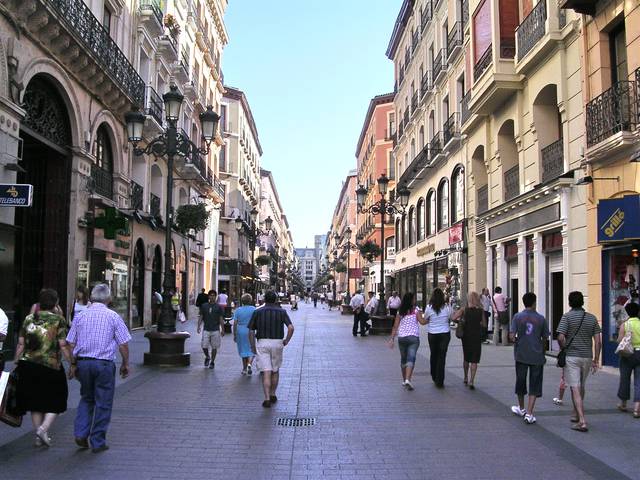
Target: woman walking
(475,324)
(630,364)
(407,328)
(82,301)
(241,318)
(42,384)
(438,316)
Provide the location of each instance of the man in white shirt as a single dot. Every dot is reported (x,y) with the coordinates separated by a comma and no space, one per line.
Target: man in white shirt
(357,305)
(4,328)
(485,300)
(394,303)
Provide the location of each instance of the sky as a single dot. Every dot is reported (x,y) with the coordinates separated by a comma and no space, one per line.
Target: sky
(309,69)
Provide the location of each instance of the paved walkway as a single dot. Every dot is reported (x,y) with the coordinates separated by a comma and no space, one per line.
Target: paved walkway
(197,423)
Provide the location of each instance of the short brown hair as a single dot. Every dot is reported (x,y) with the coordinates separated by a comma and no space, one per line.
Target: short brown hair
(48,299)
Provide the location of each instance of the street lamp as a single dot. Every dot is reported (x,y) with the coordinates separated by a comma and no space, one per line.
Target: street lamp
(347,247)
(253,232)
(169,143)
(383,207)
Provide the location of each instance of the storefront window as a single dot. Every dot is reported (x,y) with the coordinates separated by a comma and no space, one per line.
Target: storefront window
(429,281)
(420,286)
(442,270)
(118,280)
(623,279)
(411,283)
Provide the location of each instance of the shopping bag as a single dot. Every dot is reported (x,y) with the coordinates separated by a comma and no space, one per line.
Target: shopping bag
(8,405)
(182,317)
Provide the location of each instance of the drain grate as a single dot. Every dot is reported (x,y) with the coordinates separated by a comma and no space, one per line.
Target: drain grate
(296,421)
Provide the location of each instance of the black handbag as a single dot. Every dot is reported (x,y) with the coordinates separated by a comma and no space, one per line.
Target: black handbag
(562,354)
(9,402)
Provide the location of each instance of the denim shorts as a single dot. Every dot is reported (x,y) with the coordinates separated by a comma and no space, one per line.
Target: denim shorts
(408,350)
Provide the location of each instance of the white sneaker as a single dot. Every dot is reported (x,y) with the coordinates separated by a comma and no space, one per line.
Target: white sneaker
(529,419)
(404,383)
(408,385)
(516,410)
(243,372)
(557,401)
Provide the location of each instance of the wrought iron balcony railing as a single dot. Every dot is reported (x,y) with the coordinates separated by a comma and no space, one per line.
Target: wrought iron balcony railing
(102,181)
(451,128)
(425,14)
(401,75)
(414,102)
(154,206)
(532,29)
(425,84)
(218,187)
(153,104)
(400,128)
(184,59)
(438,64)
(465,13)
(414,41)
(406,118)
(435,145)
(483,199)
(137,196)
(552,160)
(76,16)
(511,183)
(484,62)
(613,111)
(454,39)
(407,57)
(154,6)
(464,108)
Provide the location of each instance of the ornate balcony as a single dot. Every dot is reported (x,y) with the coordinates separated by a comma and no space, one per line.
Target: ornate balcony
(454,41)
(483,199)
(137,196)
(426,14)
(439,67)
(425,84)
(614,111)
(483,63)
(435,146)
(414,103)
(415,41)
(102,181)
(588,7)
(77,39)
(532,29)
(153,107)
(181,67)
(465,13)
(154,206)
(511,183)
(406,118)
(168,47)
(552,161)
(465,113)
(151,17)
(451,129)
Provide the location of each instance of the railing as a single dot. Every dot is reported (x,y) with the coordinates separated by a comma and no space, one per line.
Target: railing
(615,110)
(218,187)
(414,102)
(454,38)
(425,84)
(400,129)
(531,30)
(465,113)
(406,118)
(401,75)
(483,199)
(184,60)
(197,161)
(507,47)
(415,40)
(137,196)
(407,57)
(511,183)
(79,20)
(435,145)
(637,76)
(154,6)
(465,13)
(426,14)
(552,161)
(451,128)
(438,64)
(102,181)
(154,206)
(153,104)
(483,63)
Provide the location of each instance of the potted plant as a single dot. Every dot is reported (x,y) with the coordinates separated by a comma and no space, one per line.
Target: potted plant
(194,217)
(370,250)
(341,268)
(263,260)
(172,24)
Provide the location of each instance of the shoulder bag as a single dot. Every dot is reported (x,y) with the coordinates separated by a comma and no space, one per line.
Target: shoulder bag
(460,326)
(503,316)
(562,354)
(625,347)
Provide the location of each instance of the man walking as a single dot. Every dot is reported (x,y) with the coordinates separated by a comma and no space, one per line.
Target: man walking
(528,330)
(485,300)
(266,334)
(202,298)
(357,306)
(394,304)
(156,302)
(501,318)
(212,316)
(579,335)
(94,337)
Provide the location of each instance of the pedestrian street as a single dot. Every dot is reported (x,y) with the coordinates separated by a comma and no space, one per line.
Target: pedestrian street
(193,422)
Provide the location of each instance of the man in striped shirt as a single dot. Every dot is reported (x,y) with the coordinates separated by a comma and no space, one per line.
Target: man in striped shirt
(267,326)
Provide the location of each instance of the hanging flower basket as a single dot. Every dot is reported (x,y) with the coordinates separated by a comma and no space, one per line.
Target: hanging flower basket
(194,217)
(263,260)
(370,250)
(341,268)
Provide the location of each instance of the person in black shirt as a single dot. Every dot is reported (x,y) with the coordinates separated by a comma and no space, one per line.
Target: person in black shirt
(201,298)
(267,326)
(212,315)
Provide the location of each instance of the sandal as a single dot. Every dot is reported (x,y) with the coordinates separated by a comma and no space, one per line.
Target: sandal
(266,404)
(574,419)
(623,408)
(578,427)
(636,414)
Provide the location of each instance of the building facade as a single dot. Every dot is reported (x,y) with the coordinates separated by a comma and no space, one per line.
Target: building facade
(69,72)
(307,266)
(374,158)
(608,178)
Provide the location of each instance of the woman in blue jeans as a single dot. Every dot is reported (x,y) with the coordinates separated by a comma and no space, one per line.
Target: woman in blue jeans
(407,328)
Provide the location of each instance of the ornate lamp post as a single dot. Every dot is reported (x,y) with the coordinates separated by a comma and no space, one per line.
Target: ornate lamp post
(253,232)
(347,247)
(382,207)
(167,346)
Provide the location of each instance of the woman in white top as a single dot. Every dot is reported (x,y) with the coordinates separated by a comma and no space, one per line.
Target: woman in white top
(407,328)
(82,301)
(438,316)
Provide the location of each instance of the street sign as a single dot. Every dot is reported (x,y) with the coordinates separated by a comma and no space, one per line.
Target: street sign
(15,195)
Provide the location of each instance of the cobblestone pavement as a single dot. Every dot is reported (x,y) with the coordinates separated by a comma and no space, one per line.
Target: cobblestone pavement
(199,423)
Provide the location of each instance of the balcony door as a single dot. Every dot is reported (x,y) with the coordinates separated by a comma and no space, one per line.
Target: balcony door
(618,46)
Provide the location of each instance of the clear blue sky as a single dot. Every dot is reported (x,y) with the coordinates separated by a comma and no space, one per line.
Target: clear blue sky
(309,69)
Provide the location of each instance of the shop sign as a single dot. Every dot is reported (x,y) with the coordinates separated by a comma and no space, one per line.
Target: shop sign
(365,271)
(618,219)
(16,195)
(355,273)
(456,234)
(455,259)
(426,250)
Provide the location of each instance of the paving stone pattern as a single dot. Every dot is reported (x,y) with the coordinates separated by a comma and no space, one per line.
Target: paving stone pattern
(195,423)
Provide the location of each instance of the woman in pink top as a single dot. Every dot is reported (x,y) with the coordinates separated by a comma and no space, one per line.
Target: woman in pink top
(407,328)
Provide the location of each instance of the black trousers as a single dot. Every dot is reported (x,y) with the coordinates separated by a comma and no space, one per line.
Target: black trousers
(438,344)
(360,319)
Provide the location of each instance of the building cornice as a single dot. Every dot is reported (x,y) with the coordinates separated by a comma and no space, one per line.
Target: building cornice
(398,29)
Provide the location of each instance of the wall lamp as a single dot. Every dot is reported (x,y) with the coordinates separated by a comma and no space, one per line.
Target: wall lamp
(588,179)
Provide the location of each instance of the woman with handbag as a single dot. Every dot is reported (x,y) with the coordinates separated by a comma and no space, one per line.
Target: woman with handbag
(630,360)
(42,385)
(474,321)
(407,328)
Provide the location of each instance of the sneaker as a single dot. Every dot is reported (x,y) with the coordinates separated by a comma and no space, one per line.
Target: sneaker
(404,383)
(408,385)
(529,419)
(212,365)
(516,410)
(249,370)
(243,372)
(206,361)
(557,401)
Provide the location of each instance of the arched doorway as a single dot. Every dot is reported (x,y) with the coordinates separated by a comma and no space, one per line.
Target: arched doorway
(156,279)
(182,279)
(42,233)
(137,286)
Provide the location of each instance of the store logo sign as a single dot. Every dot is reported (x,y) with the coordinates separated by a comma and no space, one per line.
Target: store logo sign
(618,219)
(613,224)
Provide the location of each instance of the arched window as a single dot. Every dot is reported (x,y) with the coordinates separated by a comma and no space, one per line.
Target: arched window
(431,212)
(443,204)
(420,219)
(457,195)
(412,226)
(102,169)
(404,232)
(421,137)
(397,237)
(413,148)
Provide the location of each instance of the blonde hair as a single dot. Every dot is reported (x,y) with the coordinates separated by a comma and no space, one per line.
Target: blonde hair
(473,300)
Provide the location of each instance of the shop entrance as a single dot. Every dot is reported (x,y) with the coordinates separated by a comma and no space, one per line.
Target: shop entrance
(156,281)
(137,287)
(513,293)
(556,304)
(42,232)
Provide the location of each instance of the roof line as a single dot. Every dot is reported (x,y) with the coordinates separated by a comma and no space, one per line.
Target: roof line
(375,102)
(401,22)
(237,94)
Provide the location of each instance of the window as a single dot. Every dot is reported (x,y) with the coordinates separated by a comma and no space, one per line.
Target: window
(481,30)
(421,137)
(443,204)
(404,232)
(413,149)
(619,67)
(223,158)
(223,118)
(457,195)
(420,219)
(392,167)
(397,237)
(103,153)
(412,226)
(106,19)
(431,212)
